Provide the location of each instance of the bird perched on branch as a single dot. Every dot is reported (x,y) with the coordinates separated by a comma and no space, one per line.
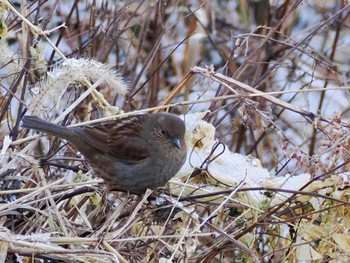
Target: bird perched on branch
(132,153)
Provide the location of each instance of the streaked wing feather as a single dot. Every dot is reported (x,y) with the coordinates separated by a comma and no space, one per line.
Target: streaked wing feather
(125,142)
(128,149)
(94,136)
(120,139)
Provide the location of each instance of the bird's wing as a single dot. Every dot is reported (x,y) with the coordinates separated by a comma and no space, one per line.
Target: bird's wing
(121,138)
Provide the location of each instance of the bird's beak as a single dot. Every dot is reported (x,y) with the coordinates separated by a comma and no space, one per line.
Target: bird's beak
(177,143)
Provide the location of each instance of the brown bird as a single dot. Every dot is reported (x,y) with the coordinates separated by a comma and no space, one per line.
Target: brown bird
(131,154)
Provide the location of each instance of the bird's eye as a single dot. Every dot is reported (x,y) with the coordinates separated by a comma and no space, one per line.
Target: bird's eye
(163,132)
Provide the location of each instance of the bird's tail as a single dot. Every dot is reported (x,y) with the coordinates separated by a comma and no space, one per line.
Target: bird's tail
(38,124)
